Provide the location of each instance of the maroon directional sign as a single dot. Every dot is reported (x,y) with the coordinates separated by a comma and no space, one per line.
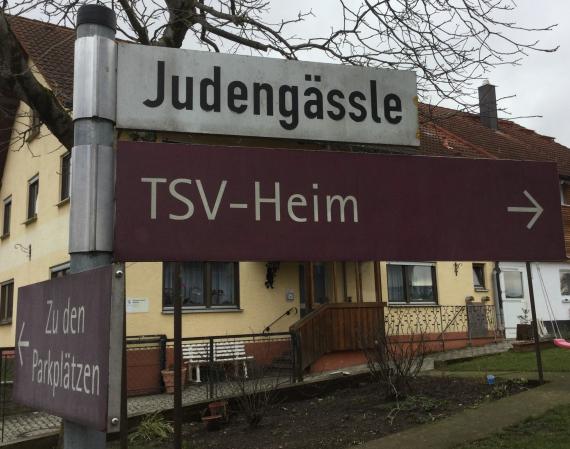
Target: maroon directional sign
(62,347)
(189,202)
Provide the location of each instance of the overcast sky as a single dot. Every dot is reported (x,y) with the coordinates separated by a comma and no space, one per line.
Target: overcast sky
(541,84)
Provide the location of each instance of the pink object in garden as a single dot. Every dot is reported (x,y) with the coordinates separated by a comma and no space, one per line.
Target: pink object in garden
(561,343)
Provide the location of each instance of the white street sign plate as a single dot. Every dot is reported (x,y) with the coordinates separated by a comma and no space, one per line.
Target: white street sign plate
(188,91)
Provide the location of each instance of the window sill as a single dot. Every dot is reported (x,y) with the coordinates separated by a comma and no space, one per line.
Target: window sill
(6,322)
(63,202)
(4,236)
(481,289)
(30,220)
(205,310)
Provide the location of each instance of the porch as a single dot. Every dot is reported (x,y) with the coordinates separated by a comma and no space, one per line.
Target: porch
(333,335)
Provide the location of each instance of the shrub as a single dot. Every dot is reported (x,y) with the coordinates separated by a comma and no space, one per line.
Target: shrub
(395,356)
(257,391)
(153,427)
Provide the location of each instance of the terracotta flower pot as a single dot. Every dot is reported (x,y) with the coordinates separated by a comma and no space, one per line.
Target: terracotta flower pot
(168,378)
(219,408)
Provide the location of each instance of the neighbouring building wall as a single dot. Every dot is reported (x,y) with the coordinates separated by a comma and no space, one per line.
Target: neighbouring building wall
(258,305)
(551,283)
(47,234)
(551,286)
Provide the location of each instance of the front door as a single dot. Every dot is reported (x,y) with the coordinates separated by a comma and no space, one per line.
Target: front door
(514,290)
(319,288)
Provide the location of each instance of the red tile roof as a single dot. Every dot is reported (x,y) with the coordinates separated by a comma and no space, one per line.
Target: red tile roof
(443,132)
(51,49)
(511,141)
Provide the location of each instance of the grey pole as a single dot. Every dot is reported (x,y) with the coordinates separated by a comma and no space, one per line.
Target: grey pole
(93,162)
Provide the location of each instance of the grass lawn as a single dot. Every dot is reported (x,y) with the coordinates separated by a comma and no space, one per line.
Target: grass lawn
(550,431)
(553,359)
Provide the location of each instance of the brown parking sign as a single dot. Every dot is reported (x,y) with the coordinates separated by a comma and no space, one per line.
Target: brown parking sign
(62,355)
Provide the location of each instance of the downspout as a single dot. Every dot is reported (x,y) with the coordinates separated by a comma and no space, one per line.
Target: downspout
(499,298)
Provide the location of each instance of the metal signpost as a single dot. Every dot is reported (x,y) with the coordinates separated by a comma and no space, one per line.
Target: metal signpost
(93,168)
(63,363)
(187,202)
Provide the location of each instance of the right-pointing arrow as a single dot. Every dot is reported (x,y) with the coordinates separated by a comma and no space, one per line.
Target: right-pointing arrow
(22,344)
(536,210)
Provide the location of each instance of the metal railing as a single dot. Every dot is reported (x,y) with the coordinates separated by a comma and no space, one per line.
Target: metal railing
(443,323)
(7,406)
(293,310)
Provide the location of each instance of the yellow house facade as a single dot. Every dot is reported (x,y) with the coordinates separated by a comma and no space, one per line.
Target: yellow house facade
(35,216)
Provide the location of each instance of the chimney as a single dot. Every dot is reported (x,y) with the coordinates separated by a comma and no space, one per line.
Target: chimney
(488,106)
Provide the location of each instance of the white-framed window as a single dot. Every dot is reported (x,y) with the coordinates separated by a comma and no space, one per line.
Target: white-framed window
(59,271)
(412,283)
(35,125)
(33,191)
(65,177)
(204,285)
(6,301)
(479,276)
(513,284)
(565,282)
(564,193)
(6,216)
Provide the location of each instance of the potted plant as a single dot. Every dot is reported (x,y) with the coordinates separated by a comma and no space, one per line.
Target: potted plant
(168,377)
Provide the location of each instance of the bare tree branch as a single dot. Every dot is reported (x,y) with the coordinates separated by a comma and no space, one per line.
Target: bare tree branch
(450,44)
(182,16)
(136,24)
(16,80)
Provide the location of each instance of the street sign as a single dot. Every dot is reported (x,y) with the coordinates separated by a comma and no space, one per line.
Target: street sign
(168,89)
(187,202)
(64,362)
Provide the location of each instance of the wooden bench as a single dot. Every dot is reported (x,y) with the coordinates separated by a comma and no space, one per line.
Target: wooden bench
(198,354)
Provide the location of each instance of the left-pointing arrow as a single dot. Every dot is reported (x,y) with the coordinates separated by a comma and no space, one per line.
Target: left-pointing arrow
(22,344)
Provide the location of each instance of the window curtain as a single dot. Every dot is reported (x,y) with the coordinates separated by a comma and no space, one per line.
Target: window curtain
(421,281)
(396,283)
(192,284)
(223,293)
(192,279)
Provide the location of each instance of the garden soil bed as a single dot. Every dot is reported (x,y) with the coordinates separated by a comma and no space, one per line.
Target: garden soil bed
(346,417)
